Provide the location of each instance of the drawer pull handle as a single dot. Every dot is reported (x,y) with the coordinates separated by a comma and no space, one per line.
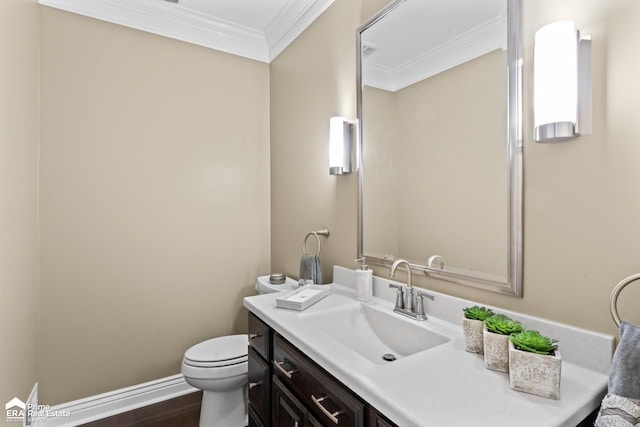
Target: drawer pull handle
(252,336)
(332,417)
(278,366)
(252,385)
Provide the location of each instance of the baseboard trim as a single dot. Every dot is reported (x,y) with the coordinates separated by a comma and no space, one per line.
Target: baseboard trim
(118,401)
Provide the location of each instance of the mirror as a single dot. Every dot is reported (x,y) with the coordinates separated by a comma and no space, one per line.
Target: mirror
(440,146)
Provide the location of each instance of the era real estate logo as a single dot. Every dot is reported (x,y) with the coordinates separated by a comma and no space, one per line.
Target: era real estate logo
(15,409)
(18,411)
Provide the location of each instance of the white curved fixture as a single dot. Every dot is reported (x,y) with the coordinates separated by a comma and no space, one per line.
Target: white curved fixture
(562,82)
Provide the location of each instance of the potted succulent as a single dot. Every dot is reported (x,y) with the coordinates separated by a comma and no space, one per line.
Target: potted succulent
(495,334)
(534,364)
(472,326)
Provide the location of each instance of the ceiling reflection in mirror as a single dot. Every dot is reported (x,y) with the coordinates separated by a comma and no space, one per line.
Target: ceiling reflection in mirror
(439,108)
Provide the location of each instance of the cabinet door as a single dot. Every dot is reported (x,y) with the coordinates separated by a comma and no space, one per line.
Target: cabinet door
(312,422)
(254,420)
(287,410)
(377,420)
(259,336)
(259,387)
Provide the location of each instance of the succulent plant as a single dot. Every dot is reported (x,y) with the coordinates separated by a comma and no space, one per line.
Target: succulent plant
(503,325)
(534,342)
(477,313)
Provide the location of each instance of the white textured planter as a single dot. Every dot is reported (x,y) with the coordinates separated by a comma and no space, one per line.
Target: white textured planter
(535,373)
(496,351)
(473,341)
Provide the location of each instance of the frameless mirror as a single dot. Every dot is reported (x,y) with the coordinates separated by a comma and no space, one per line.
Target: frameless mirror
(440,154)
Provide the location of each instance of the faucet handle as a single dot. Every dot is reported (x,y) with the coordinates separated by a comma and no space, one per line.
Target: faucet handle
(420,306)
(398,287)
(422,293)
(420,303)
(399,295)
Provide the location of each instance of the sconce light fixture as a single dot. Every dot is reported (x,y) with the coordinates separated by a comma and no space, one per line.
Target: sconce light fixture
(340,132)
(562,82)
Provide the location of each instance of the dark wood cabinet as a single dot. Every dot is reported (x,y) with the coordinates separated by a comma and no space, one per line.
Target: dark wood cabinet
(287,410)
(259,336)
(288,389)
(312,422)
(259,361)
(377,420)
(259,385)
(326,398)
(254,419)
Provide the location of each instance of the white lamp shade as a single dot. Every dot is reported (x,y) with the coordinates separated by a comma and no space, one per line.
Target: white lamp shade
(339,146)
(555,71)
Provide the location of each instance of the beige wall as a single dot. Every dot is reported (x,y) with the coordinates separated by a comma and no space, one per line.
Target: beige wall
(452,158)
(18,198)
(154,201)
(312,80)
(435,181)
(582,198)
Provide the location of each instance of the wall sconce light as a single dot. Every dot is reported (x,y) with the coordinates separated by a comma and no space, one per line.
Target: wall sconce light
(562,82)
(340,136)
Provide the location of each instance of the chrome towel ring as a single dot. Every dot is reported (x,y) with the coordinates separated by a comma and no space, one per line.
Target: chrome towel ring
(614,296)
(317,234)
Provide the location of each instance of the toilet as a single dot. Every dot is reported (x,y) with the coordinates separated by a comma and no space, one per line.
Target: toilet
(218,367)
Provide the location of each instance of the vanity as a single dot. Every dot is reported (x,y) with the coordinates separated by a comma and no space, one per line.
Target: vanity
(323,366)
(302,392)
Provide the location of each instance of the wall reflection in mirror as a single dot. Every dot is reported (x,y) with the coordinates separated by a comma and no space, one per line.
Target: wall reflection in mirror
(439,107)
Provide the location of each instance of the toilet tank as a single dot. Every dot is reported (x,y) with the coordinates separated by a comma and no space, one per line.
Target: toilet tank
(264,286)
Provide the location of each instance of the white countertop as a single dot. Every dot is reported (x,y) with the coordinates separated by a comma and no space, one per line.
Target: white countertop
(444,386)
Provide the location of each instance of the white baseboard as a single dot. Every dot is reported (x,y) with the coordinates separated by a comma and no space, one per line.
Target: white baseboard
(116,402)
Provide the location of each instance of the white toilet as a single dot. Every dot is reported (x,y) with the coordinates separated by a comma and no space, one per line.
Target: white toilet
(219,368)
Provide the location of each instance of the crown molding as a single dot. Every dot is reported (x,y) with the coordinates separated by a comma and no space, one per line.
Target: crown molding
(180,23)
(474,43)
(292,20)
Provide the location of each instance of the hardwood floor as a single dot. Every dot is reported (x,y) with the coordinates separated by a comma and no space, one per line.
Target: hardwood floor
(182,411)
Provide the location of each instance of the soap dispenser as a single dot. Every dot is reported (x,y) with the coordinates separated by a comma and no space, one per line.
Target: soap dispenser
(364,282)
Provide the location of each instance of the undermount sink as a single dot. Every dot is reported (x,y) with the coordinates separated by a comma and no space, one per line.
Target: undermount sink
(375,332)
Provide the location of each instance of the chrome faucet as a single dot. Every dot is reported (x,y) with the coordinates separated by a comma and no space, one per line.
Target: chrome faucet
(410,306)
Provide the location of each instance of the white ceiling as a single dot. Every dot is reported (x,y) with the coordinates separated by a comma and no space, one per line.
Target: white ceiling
(256,29)
(421,38)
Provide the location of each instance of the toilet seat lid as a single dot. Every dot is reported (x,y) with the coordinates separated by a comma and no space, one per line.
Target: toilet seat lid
(221,351)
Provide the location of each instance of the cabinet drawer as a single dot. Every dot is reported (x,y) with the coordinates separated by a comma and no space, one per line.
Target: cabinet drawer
(329,401)
(289,364)
(259,336)
(259,386)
